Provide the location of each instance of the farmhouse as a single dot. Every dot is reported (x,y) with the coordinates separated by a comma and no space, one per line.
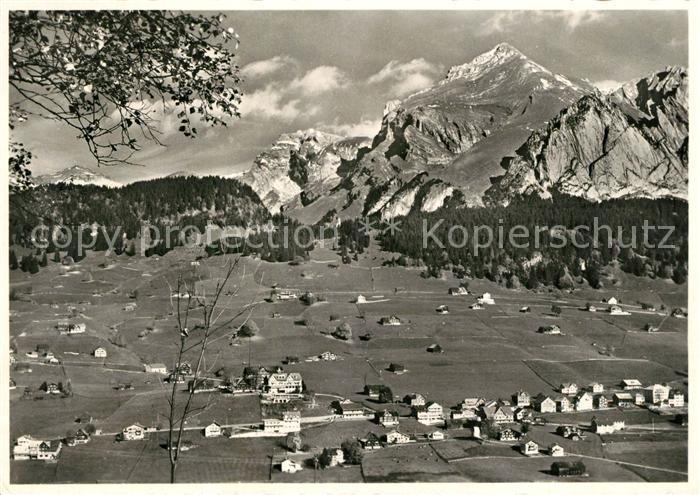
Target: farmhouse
(614,309)
(133,432)
(631,384)
(522,413)
(429,414)
(596,388)
(414,400)
(442,309)
(521,399)
(584,401)
(327,356)
(49,450)
(476,306)
(457,291)
(508,435)
(351,410)
(530,448)
(100,352)
(284,295)
(570,432)
(388,418)
(678,313)
(373,391)
(81,436)
(549,330)
(601,402)
(371,442)
(26,447)
(397,368)
(52,388)
(392,320)
(202,385)
(284,383)
(337,457)
(604,427)
(591,307)
(486,299)
(396,437)
(289,423)
(569,389)
(290,466)
(562,469)
(130,306)
(564,405)
(657,393)
(612,300)
(556,450)
(212,430)
(497,413)
(156,368)
(676,399)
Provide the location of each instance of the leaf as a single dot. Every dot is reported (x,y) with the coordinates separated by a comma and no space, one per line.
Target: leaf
(182,128)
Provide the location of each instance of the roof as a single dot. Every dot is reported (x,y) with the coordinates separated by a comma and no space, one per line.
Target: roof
(631,381)
(351,407)
(623,395)
(156,365)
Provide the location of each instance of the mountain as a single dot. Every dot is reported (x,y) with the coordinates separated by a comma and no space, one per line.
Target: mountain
(77,175)
(448,140)
(300,167)
(631,142)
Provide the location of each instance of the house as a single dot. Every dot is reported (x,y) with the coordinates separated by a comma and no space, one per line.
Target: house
(614,309)
(436,435)
(100,352)
(570,432)
(212,430)
(486,299)
(568,388)
(371,442)
(360,299)
(556,450)
(81,436)
(530,448)
(472,403)
(414,400)
(202,385)
(678,313)
(397,368)
(290,466)
(601,402)
(564,405)
(288,423)
(508,435)
(396,437)
(521,399)
(562,469)
(457,291)
(175,378)
(476,306)
(497,413)
(442,309)
(584,401)
(596,388)
(133,432)
(657,393)
(549,330)
(638,398)
(590,307)
(285,295)
(392,320)
(13,384)
(328,356)
(156,368)
(429,414)
(623,399)
(631,384)
(388,418)
(26,447)
(49,450)
(612,300)
(435,348)
(525,309)
(66,328)
(52,388)
(285,383)
(130,307)
(608,426)
(351,410)
(373,391)
(522,413)
(337,457)
(545,404)
(32,354)
(676,399)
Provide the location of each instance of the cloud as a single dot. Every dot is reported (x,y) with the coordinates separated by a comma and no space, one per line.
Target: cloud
(607,85)
(365,127)
(408,77)
(271,102)
(320,80)
(269,66)
(504,22)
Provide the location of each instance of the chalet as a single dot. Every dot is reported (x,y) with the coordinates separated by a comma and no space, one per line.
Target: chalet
(351,410)
(431,413)
(623,399)
(130,307)
(612,300)
(472,403)
(530,448)
(556,450)
(563,469)
(373,391)
(564,405)
(81,436)
(569,389)
(435,348)
(508,435)
(414,400)
(396,437)
(457,291)
(284,383)
(100,352)
(486,299)
(290,466)
(596,388)
(601,402)
(678,313)
(476,306)
(133,432)
(584,401)
(49,450)
(212,430)
(676,399)
(392,320)
(442,309)
(657,393)
(522,413)
(638,398)
(388,418)
(497,413)
(371,442)
(603,427)
(631,384)
(255,377)
(327,356)
(156,368)
(360,299)
(337,458)
(549,330)
(435,435)
(521,399)
(25,447)
(289,422)
(397,368)
(525,309)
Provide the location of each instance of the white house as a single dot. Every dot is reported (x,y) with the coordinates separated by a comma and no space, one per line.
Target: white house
(156,368)
(676,399)
(429,414)
(395,436)
(284,383)
(26,447)
(597,388)
(556,450)
(436,435)
(350,410)
(564,405)
(584,402)
(631,383)
(360,299)
(100,352)
(614,309)
(212,430)
(416,400)
(476,306)
(657,393)
(569,388)
(337,458)
(530,448)
(522,399)
(486,299)
(289,422)
(388,418)
(607,427)
(133,432)
(49,450)
(290,466)
(457,291)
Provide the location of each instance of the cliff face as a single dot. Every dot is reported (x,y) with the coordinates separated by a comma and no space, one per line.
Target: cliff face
(633,142)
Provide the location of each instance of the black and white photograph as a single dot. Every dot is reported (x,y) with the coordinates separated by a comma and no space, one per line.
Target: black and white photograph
(293,244)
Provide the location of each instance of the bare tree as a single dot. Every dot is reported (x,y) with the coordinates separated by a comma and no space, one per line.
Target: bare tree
(187,304)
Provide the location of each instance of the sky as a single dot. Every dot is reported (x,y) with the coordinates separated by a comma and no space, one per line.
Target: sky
(335,70)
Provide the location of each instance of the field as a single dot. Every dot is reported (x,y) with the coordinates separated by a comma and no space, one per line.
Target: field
(491,353)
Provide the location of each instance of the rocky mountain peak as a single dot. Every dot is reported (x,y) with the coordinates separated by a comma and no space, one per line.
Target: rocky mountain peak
(77,175)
